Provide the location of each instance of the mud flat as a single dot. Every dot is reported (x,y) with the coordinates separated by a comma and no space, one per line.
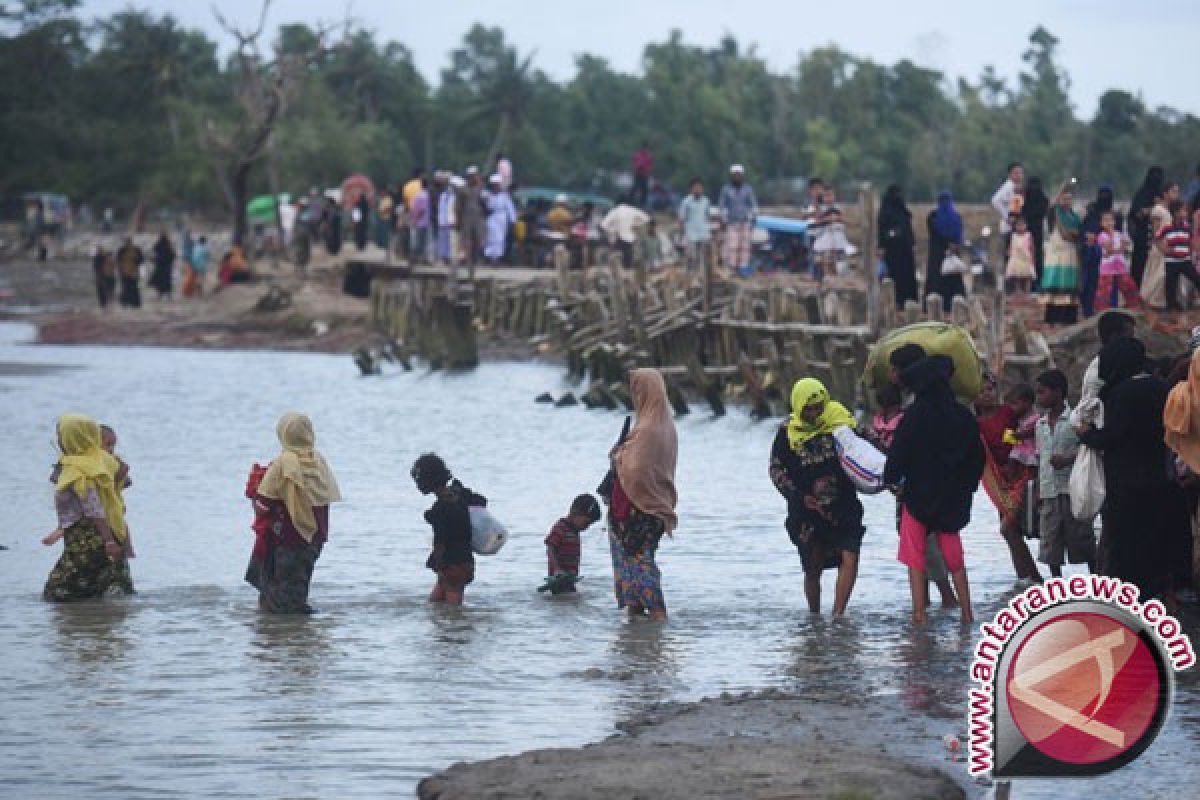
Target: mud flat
(759,745)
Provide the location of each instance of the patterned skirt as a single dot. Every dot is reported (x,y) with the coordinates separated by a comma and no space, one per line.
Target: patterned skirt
(84,570)
(283,577)
(637,582)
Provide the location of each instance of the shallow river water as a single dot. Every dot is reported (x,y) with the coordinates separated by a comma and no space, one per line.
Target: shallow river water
(186,691)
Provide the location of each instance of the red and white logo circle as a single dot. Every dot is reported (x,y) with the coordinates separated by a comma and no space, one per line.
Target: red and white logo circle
(1084,689)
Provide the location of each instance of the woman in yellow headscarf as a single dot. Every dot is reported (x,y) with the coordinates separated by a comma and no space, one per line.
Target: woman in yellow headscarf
(91,517)
(825,517)
(291,504)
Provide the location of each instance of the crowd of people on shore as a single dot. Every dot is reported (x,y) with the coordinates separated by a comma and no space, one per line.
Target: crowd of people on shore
(1078,264)
(939,446)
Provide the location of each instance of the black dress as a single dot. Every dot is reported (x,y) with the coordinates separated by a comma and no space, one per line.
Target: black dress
(946,285)
(1145,513)
(896,241)
(825,516)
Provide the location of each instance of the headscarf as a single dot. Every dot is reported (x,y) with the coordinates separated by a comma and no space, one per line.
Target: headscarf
(893,202)
(805,393)
(299,476)
(946,219)
(1036,202)
(645,461)
(1065,219)
(1181,417)
(85,465)
(1120,360)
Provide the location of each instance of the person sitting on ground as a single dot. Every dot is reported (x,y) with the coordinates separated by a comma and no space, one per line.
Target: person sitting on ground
(233,269)
(1057,445)
(563,546)
(935,464)
(825,516)
(451,559)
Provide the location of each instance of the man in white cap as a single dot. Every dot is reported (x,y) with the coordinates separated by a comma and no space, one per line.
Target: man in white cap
(501,216)
(738,207)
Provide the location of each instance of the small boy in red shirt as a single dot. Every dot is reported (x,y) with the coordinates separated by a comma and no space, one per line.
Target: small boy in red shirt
(563,545)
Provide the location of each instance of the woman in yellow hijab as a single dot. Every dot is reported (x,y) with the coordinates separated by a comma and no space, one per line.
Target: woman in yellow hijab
(291,505)
(91,517)
(825,517)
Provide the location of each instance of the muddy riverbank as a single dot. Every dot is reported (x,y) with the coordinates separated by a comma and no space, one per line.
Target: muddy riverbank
(768,744)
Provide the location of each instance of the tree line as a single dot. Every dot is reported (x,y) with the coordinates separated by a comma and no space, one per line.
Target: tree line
(135,109)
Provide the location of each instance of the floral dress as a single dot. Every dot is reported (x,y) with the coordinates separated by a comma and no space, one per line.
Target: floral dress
(825,516)
(84,569)
(633,541)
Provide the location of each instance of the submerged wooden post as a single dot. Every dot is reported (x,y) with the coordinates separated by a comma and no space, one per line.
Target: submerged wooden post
(759,407)
(562,267)
(933,307)
(867,201)
(617,289)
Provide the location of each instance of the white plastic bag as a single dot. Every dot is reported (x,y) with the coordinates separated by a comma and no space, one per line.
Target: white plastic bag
(1087,484)
(1087,474)
(861,462)
(487,534)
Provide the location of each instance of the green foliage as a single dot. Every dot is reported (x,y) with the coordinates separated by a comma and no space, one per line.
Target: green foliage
(115,112)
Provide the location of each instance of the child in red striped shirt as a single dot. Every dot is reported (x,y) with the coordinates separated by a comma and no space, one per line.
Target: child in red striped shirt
(563,545)
(1175,241)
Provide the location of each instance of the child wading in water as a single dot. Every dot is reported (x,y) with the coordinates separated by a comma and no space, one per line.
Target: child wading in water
(1061,534)
(452,559)
(935,462)
(563,545)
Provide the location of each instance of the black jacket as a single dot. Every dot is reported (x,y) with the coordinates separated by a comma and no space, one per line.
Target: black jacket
(452,527)
(937,455)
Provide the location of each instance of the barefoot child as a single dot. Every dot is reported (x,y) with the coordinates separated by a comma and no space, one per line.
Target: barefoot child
(1114,269)
(1022,465)
(1061,534)
(563,545)
(935,463)
(1020,269)
(452,559)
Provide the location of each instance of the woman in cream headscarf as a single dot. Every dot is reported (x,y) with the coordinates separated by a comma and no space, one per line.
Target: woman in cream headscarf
(91,517)
(291,505)
(825,517)
(642,503)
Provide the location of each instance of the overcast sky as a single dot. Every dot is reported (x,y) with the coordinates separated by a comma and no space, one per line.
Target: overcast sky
(1103,43)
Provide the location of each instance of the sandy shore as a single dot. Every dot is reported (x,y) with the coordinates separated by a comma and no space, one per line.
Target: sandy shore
(760,745)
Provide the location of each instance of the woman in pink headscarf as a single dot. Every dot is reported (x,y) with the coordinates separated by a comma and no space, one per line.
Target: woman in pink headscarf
(642,501)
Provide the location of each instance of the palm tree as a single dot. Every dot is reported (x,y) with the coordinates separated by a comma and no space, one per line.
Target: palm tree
(506,94)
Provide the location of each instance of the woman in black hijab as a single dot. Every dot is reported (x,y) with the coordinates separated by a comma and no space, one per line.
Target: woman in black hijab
(1034,210)
(1144,511)
(1139,220)
(896,244)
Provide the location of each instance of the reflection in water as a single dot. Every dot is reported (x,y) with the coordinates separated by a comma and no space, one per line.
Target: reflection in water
(185,690)
(93,635)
